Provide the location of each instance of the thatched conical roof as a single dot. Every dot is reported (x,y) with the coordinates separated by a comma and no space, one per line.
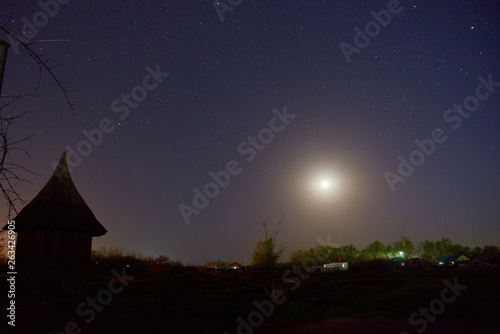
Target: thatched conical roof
(59,206)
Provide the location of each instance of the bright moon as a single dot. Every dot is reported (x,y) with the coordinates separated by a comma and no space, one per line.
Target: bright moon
(326,184)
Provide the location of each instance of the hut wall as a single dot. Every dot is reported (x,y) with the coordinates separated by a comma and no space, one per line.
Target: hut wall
(27,251)
(55,255)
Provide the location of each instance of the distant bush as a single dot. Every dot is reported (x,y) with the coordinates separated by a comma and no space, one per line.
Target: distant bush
(106,259)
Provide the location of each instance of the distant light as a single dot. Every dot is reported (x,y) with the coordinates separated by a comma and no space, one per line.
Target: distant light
(325,184)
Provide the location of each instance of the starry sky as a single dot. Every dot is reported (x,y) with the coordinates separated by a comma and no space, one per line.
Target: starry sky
(274,99)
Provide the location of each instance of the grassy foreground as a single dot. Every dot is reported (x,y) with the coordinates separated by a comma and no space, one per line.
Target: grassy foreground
(194,303)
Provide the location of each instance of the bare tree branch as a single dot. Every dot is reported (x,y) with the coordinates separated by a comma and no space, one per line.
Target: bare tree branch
(10,170)
(271,253)
(43,64)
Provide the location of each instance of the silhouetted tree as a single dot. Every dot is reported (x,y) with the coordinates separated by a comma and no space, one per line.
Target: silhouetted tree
(406,246)
(491,252)
(459,249)
(334,252)
(375,250)
(443,247)
(297,257)
(349,253)
(390,252)
(267,253)
(322,253)
(475,252)
(428,250)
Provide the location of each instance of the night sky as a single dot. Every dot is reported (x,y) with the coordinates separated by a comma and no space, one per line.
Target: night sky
(211,96)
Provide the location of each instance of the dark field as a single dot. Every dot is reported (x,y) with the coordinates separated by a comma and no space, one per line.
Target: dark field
(343,302)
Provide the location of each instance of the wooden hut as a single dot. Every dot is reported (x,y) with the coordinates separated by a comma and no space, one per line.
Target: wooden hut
(54,236)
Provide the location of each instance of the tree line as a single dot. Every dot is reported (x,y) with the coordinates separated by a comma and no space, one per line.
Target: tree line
(431,251)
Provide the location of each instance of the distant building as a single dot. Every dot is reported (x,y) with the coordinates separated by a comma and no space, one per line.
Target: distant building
(233,266)
(54,236)
(336,264)
(453,259)
(399,262)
